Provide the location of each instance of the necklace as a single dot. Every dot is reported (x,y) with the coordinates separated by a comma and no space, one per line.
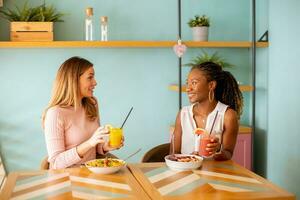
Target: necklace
(203,119)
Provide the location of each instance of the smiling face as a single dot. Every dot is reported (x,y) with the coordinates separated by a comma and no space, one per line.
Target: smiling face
(87,83)
(198,86)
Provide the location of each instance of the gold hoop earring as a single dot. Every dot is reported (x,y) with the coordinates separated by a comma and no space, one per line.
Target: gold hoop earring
(211,96)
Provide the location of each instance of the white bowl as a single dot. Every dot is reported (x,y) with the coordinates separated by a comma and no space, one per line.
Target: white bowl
(105,170)
(183,166)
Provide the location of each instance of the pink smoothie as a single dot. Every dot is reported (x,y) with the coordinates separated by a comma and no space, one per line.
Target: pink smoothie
(203,143)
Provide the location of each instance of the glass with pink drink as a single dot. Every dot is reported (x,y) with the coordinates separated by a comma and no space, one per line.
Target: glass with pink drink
(204,140)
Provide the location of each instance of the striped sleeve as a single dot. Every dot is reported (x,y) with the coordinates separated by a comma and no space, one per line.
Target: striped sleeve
(58,156)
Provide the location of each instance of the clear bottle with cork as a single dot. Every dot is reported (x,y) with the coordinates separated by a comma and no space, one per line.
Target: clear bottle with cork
(89,29)
(104,28)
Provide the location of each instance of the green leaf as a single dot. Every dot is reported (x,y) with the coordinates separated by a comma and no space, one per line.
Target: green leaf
(37,13)
(199,21)
(205,57)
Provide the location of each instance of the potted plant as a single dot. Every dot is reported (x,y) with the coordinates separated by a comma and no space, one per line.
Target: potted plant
(31,23)
(200,27)
(205,57)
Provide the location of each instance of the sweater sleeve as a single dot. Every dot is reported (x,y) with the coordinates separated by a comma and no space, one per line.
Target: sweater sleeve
(58,156)
(99,149)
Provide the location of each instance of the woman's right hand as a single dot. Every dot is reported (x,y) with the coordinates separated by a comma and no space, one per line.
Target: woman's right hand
(98,136)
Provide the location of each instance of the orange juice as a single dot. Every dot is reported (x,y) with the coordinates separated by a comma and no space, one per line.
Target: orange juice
(115,137)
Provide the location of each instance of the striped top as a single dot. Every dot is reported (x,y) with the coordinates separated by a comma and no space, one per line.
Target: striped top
(190,141)
(65,129)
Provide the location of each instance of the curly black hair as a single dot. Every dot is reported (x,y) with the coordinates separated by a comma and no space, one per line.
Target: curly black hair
(227,90)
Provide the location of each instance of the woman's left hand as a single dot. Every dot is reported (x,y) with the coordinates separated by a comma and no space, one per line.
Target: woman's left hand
(107,147)
(213,146)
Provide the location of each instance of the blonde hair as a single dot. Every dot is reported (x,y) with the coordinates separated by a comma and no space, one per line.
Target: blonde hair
(66,90)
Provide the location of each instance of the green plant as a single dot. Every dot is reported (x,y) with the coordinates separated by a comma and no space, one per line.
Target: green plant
(41,13)
(205,57)
(199,21)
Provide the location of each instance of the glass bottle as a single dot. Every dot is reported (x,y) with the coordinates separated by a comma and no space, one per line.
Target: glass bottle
(104,28)
(89,24)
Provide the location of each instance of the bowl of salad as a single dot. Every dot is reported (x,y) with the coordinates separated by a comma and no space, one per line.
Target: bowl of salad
(105,165)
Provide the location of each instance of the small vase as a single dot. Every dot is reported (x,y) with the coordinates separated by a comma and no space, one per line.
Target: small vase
(200,33)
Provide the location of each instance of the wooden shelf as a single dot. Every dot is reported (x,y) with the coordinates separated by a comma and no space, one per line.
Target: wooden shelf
(242,129)
(231,44)
(245,130)
(125,44)
(243,88)
(88,44)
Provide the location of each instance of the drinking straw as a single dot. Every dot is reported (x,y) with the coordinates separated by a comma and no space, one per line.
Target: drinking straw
(132,154)
(173,148)
(213,123)
(126,117)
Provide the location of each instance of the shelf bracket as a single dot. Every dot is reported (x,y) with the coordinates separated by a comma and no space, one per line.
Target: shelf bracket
(264,37)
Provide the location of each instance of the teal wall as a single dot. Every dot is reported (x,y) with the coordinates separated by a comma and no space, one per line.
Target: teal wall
(283,144)
(136,77)
(261,107)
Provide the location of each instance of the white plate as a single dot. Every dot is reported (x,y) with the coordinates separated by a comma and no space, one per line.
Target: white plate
(105,170)
(183,166)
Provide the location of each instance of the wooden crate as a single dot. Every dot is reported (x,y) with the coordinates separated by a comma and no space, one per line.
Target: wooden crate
(31,31)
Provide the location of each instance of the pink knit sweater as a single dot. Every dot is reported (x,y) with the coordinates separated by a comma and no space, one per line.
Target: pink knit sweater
(65,129)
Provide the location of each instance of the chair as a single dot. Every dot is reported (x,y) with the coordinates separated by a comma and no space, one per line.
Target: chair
(157,154)
(2,174)
(44,164)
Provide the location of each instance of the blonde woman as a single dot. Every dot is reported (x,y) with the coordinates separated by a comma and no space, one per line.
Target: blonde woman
(71,121)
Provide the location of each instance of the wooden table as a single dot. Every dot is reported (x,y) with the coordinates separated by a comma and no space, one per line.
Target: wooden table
(214,180)
(73,183)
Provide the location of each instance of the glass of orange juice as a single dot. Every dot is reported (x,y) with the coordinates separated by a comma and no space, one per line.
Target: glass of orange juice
(115,136)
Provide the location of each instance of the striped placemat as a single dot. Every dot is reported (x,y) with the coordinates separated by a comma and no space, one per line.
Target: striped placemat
(174,183)
(68,185)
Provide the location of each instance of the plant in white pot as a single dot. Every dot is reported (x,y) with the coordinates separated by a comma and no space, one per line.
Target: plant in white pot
(200,25)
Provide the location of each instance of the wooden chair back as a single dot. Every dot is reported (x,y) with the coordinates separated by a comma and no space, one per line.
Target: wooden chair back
(44,163)
(157,153)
